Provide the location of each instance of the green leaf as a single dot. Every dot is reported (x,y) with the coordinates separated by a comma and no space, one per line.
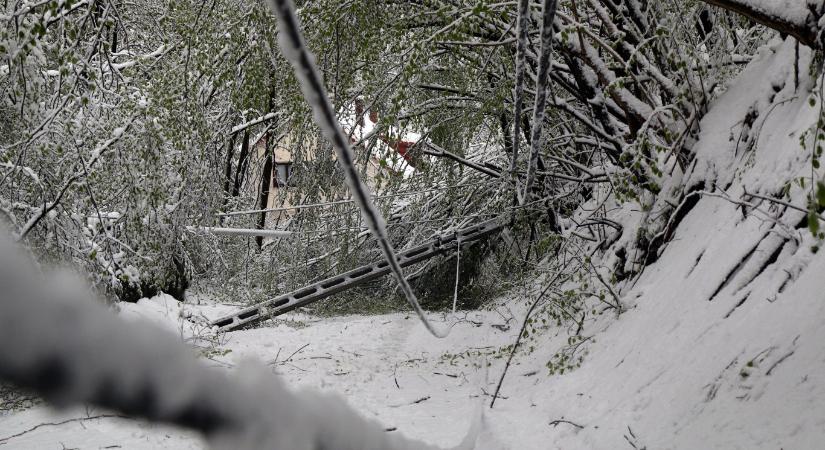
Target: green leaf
(820,193)
(813,222)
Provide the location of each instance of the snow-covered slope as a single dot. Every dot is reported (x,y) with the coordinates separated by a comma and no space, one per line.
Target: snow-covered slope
(720,347)
(723,347)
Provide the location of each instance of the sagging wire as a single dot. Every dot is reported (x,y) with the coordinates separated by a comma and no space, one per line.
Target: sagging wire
(294,50)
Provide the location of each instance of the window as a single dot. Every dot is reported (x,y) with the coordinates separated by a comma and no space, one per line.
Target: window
(283,174)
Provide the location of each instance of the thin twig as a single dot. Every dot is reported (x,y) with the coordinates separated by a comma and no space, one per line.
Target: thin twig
(5,440)
(524,322)
(558,421)
(294,353)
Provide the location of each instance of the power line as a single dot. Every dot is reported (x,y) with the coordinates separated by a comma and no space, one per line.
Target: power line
(341,202)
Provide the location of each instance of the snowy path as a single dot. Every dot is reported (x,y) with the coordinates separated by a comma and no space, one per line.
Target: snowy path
(386,366)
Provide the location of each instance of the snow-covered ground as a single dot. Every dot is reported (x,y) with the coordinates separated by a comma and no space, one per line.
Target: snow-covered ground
(720,347)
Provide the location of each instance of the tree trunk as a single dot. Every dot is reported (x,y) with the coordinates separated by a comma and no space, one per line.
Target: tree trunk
(263,198)
(242,160)
(522,25)
(227,175)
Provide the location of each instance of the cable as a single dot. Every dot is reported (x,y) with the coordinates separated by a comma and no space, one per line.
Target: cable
(294,50)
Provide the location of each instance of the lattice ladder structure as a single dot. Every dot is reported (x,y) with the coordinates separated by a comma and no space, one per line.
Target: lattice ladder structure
(355,277)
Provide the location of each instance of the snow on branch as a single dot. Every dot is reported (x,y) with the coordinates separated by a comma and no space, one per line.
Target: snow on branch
(522,24)
(294,50)
(96,154)
(540,104)
(797,18)
(253,122)
(240,231)
(158,53)
(440,152)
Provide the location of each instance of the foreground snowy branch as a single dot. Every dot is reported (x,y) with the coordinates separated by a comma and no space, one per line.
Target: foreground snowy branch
(56,342)
(96,154)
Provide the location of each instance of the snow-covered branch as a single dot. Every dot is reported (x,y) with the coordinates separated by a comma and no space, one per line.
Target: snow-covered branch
(96,154)
(253,122)
(522,24)
(545,56)
(794,17)
(240,232)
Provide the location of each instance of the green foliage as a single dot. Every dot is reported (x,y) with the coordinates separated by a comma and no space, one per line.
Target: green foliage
(813,138)
(119,104)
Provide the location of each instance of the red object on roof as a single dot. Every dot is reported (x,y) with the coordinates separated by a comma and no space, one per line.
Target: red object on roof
(400,147)
(403,147)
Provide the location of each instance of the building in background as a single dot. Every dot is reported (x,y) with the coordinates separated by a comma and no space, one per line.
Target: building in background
(390,156)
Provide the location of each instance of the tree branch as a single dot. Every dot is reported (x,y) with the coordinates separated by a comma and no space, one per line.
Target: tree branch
(440,152)
(773,16)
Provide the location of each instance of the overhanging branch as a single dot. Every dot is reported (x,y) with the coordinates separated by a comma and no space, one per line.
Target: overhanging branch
(775,17)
